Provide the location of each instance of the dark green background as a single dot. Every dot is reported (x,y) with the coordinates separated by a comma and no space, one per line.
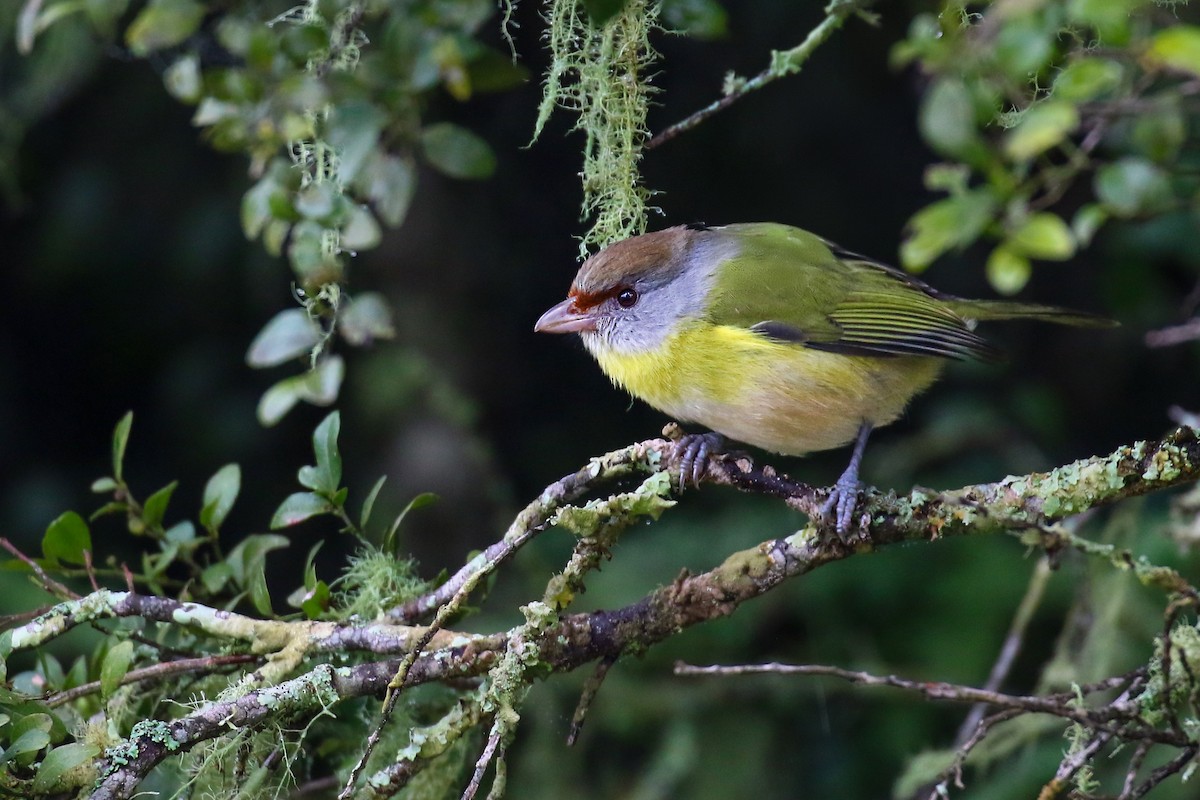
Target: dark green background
(129,285)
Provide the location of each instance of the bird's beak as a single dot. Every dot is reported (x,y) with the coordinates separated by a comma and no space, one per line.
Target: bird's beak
(565,318)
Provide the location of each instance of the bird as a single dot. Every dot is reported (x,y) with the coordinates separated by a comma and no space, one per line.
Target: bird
(770,335)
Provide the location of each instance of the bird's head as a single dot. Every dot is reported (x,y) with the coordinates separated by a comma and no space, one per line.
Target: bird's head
(633,294)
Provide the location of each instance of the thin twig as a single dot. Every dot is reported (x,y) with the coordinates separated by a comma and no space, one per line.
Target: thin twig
(1165,771)
(1012,644)
(1135,764)
(485,759)
(206,664)
(783,63)
(590,688)
(49,584)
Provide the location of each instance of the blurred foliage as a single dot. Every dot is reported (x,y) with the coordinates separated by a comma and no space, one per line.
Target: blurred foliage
(1034,102)
(1062,125)
(326,100)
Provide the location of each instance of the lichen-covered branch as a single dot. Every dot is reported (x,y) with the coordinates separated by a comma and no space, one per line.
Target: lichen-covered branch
(283,689)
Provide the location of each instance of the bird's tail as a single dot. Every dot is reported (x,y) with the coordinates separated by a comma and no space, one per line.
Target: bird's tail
(985,310)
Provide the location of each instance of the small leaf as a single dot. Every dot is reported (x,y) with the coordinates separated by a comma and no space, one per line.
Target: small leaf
(950,223)
(215,576)
(288,335)
(299,507)
(310,565)
(120,440)
(1086,78)
(318,386)
(54,773)
(369,503)
(1087,221)
(947,118)
(366,318)
(66,538)
(183,80)
(162,24)
(457,152)
(31,741)
(420,501)
(155,507)
(219,495)
(354,129)
(1041,127)
(1177,47)
(1008,271)
(1043,235)
(316,601)
(248,560)
(103,485)
(114,667)
(181,533)
(328,473)
(1132,186)
(390,183)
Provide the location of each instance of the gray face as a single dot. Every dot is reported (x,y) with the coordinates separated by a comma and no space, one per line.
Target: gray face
(665,298)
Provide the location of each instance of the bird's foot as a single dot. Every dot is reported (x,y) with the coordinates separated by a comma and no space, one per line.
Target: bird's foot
(842,501)
(692,451)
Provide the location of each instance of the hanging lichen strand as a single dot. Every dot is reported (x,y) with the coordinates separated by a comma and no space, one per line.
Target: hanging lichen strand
(601,72)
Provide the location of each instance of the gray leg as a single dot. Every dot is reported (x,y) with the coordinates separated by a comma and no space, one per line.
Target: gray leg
(844,495)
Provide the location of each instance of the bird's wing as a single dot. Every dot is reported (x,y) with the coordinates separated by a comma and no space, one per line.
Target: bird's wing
(791,286)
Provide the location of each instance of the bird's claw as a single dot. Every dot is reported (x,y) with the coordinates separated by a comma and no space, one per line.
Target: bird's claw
(693,450)
(840,505)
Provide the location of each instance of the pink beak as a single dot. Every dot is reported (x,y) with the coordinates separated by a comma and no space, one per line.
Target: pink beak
(565,318)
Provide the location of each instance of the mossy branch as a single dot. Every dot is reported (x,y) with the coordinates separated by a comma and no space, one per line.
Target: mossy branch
(549,642)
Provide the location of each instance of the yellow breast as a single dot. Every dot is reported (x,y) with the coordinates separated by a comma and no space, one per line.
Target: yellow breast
(779,396)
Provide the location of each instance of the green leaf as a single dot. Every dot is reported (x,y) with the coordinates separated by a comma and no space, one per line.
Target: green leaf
(215,576)
(162,24)
(947,119)
(369,503)
(318,386)
(1043,235)
(248,561)
(181,533)
(1177,47)
(354,129)
(66,538)
(366,318)
(389,183)
(950,223)
(457,152)
(327,475)
(310,565)
(1086,78)
(288,335)
(361,231)
(183,80)
(54,773)
(114,667)
(155,507)
(120,440)
(1087,221)
(420,501)
(103,485)
(31,741)
(1007,270)
(316,600)
(219,495)
(299,507)
(1041,127)
(1132,186)
(317,201)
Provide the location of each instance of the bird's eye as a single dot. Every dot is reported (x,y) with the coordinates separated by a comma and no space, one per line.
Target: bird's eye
(627,298)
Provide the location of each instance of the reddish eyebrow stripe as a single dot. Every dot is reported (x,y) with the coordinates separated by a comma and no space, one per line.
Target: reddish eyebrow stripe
(589,300)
